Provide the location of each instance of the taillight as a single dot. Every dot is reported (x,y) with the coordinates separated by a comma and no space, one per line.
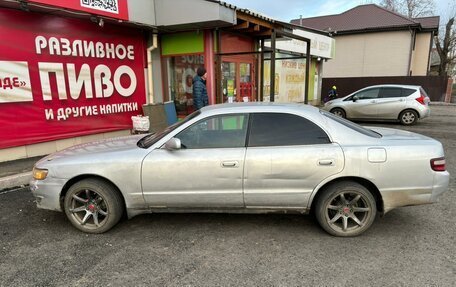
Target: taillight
(421,100)
(438,164)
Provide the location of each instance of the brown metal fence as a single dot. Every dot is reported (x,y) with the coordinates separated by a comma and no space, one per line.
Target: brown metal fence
(435,86)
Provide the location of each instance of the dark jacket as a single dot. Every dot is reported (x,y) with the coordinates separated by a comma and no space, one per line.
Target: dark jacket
(200,98)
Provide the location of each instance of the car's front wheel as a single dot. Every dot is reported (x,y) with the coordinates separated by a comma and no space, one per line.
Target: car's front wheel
(339,112)
(408,117)
(345,209)
(93,205)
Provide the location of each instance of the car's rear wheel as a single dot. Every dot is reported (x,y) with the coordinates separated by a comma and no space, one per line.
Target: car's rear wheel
(339,112)
(408,117)
(93,205)
(345,209)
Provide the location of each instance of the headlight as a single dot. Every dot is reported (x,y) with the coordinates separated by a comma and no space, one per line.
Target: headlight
(39,174)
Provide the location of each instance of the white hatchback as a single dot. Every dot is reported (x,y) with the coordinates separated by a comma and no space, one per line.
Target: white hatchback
(401,103)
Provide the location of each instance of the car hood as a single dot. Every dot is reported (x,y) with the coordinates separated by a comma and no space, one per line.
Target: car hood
(395,134)
(97,147)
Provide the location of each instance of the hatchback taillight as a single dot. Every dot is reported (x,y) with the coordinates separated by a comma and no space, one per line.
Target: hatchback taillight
(421,99)
(438,164)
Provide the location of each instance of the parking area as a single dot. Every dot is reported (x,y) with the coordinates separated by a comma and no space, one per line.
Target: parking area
(410,246)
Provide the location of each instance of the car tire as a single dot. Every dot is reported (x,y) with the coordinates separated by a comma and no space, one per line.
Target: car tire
(408,117)
(93,205)
(339,112)
(345,209)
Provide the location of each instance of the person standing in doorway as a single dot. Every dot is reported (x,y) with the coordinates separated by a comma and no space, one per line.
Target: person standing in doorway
(200,98)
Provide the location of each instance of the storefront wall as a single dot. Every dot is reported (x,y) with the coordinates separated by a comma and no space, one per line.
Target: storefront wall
(69,78)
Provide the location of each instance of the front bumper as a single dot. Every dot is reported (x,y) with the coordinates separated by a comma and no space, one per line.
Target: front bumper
(47,192)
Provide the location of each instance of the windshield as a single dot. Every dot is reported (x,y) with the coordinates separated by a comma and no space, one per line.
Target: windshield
(150,139)
(351,125)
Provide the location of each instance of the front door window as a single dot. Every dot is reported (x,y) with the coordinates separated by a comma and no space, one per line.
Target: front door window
(227,131)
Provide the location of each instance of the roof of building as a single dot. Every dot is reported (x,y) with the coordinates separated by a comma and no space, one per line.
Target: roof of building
(367,18)
(428,22)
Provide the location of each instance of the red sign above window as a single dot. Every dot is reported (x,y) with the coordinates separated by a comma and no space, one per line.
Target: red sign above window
(63,78)
(110,8)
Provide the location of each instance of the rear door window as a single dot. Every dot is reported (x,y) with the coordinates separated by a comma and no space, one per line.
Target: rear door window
(390,93)
(280,129)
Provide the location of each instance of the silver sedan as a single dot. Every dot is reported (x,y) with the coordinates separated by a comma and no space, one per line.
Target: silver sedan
(246,158)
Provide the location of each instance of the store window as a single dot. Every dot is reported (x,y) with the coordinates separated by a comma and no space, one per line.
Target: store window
(180,73)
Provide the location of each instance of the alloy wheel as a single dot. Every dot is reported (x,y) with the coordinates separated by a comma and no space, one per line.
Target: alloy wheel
(89,208)
(347,211)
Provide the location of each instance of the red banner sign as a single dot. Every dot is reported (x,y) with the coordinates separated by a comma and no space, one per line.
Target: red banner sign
(62,78)
(117,9)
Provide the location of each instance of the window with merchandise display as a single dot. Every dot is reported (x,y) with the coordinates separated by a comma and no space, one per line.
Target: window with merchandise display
(180,71)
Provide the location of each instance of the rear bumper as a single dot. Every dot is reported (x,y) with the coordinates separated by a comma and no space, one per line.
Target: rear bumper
(441,182)
(424,112)
(406,197)
(47,193)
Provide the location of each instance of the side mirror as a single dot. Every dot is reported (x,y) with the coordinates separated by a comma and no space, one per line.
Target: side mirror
(355,98)
(173,144)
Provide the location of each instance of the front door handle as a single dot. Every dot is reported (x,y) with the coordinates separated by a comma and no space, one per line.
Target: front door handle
(230,163)
(326,162)
(373,101)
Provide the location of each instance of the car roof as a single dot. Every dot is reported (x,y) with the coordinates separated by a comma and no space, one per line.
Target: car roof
(393,86)
(259,107)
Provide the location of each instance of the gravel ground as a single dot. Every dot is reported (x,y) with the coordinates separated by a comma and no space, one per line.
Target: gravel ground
(410,246)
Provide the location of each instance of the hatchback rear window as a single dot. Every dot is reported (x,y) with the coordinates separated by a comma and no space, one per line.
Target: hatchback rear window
(423,92)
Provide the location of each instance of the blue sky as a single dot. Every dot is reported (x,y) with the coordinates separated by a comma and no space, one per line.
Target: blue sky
(286,10)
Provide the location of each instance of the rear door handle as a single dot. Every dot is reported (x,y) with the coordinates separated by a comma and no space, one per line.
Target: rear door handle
(373,101)
(231,163)
(326,162)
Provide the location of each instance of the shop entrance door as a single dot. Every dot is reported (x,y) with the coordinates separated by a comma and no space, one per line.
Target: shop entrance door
(238,84)
(246,83)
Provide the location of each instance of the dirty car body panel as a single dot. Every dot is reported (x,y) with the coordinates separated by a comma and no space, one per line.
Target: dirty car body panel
(250,158)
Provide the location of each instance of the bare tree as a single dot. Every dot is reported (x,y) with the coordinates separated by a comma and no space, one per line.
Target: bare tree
(446,47)
(419,8)
(410,8)
(390,5)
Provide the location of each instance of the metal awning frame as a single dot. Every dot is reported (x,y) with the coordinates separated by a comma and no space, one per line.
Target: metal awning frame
(272,51)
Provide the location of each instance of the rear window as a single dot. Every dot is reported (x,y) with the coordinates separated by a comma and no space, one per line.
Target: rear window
(352,125)
(423,92)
